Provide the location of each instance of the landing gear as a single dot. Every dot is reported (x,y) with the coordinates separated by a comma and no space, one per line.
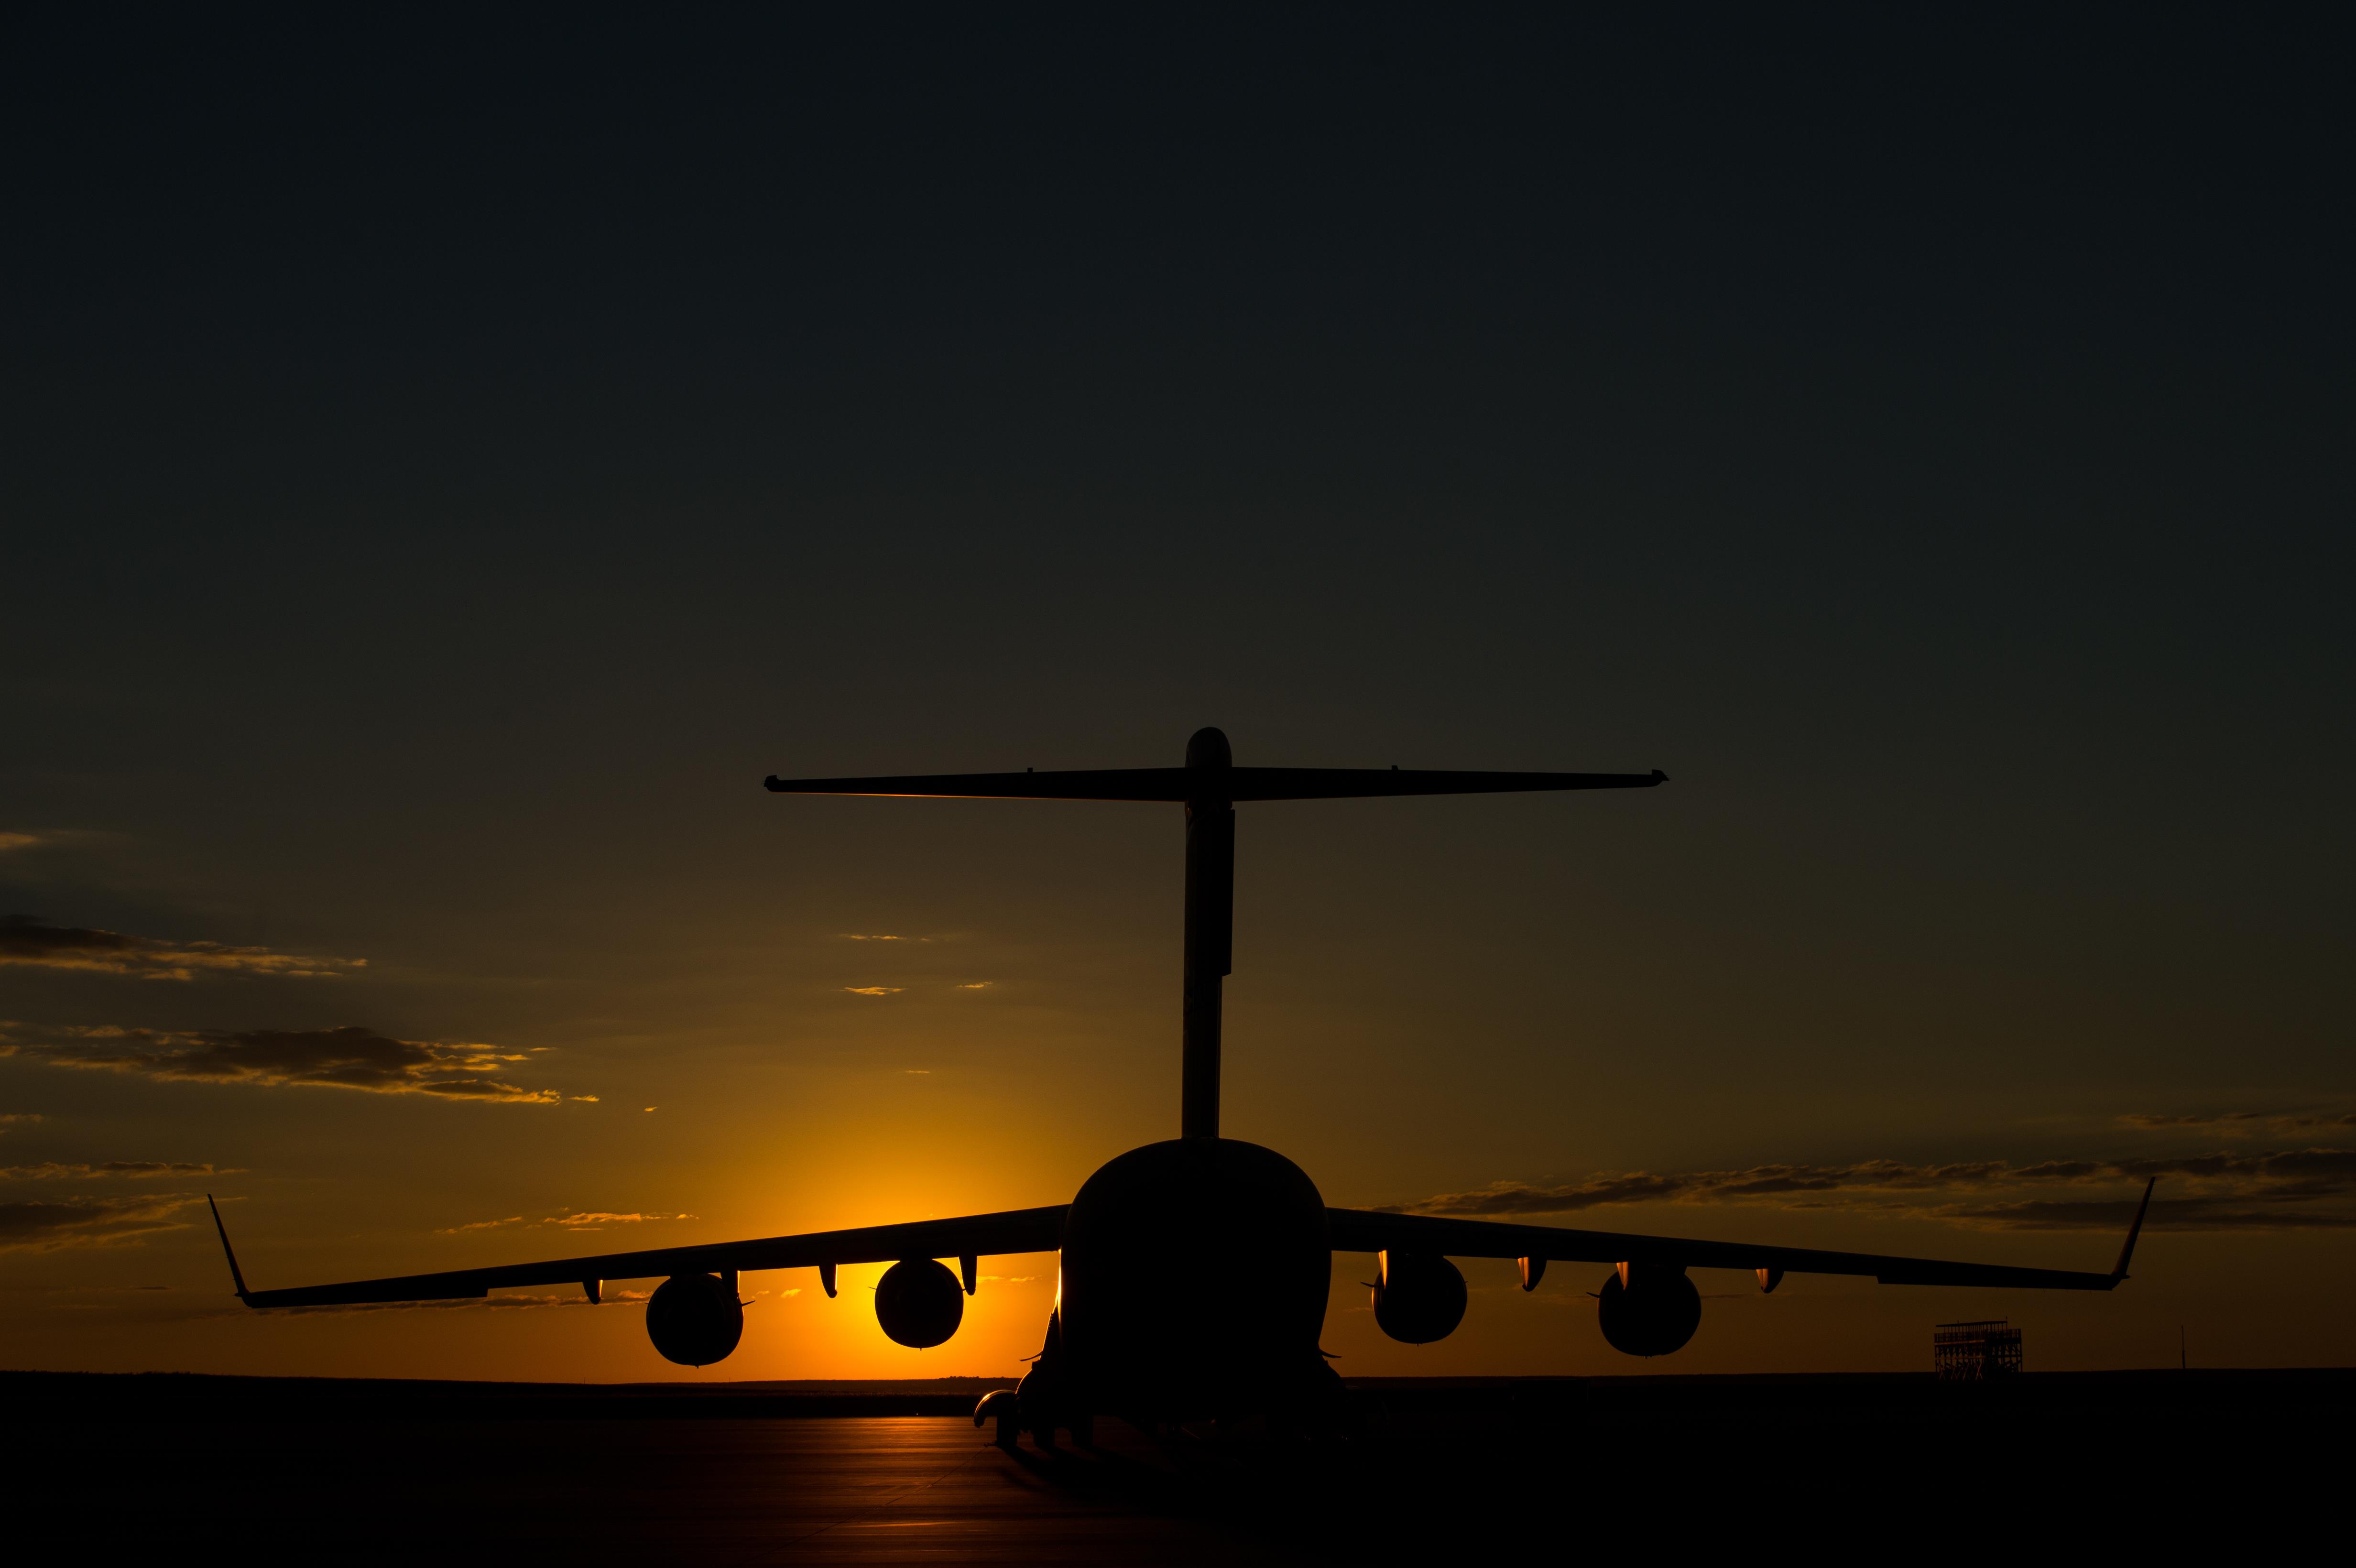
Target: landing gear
(1047,1398)
(1046,1405)
(1006,1407)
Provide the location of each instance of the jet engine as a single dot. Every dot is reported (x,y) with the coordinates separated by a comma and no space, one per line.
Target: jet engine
(1648,1310)
(919,1303)
(695,1320)
(1419,1296)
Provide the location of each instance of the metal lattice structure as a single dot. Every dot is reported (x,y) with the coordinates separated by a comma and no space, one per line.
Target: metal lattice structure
(1975,1352)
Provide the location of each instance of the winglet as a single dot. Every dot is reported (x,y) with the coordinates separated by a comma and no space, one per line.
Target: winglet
(2119,1272)
(227,1250)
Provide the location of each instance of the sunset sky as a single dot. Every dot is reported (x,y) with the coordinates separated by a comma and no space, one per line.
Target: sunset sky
(451,462)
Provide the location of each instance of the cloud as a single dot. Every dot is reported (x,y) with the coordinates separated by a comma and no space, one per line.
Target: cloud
(18,841)
(593,1220)
(2183,1214)
(347,1058)
(2238,1124)
(2203,1119)
(978,985)
(27,939)
(854,936)
(88,1221)
(598,1222)
(876,990)
(2235,1190)
(51,1170)
(13,1117)
(1765,1182)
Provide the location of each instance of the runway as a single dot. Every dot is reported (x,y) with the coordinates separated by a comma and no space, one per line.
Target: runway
(360,1472)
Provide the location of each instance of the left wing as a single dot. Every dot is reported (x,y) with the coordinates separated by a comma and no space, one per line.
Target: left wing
(971,1236)
(1363,1231)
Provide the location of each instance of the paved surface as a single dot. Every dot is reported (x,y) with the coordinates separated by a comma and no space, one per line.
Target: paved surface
(907,1489)
(1896,1468)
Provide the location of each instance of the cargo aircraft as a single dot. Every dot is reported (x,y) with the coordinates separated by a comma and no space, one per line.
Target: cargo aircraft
(1194,1272)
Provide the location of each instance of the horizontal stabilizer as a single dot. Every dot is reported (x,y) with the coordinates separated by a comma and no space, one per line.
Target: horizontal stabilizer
(1219,783)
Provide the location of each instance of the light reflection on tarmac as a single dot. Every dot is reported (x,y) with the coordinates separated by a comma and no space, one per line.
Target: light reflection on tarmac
(903,1489)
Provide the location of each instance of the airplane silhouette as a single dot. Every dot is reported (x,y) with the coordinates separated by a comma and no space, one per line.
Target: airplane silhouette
(1193,1272)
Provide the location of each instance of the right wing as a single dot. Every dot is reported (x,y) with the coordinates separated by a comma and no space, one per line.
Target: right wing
(970,1235)
(1367,1231)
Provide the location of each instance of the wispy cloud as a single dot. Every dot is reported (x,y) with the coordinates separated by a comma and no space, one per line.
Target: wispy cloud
(28,940)
(17,1118)
(2166,1214)
(876,990)
(347,1058)
(978,986)
(51,1170)
(18,841)
(88,1221)
(595,1220)
(2284,1188)
(2245,1123)
(858,936)
(598,1220)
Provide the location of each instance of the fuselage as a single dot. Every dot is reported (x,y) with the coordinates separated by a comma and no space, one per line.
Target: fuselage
(1193,1285)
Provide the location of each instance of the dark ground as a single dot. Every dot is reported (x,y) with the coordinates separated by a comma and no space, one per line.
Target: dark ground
(1892,1466)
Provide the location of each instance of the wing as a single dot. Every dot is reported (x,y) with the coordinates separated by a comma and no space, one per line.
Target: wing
(971,1236)
(1362,1230)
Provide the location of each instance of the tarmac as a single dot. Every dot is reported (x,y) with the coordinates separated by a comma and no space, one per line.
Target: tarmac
(368,1471)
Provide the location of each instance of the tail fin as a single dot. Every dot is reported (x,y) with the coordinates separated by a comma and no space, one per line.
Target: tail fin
(230,1252)
(2119,1269)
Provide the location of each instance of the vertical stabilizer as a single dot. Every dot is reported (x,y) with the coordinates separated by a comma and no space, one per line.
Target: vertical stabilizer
(1209,785)
(1210,929)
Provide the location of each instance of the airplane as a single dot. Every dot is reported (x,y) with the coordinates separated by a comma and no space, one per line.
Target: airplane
(1194,1272)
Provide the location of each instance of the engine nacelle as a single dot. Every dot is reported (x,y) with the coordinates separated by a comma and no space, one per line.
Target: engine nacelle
(694,1319)
(1419,1296)
(1654,1312)
(919,1303)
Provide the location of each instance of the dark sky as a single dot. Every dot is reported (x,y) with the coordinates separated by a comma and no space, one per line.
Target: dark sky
(451,459)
